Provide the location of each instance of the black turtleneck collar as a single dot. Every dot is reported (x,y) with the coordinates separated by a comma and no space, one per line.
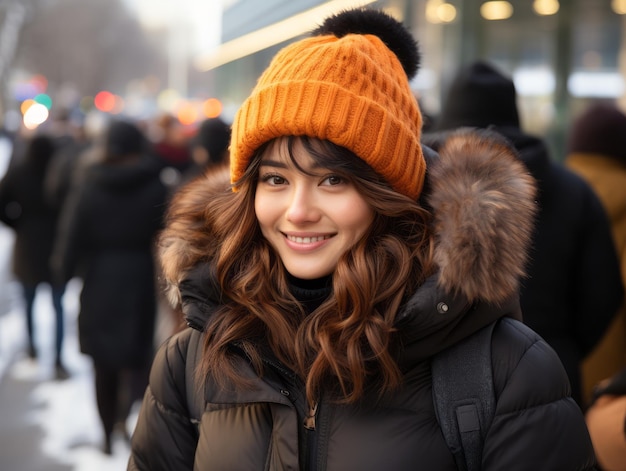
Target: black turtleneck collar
(311,293)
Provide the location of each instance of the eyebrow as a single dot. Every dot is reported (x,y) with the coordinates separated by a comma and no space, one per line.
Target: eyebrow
(273,163)
(281,164)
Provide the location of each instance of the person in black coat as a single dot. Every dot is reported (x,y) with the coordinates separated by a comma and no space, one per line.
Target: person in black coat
(573,289)
(109,224)
(24,208)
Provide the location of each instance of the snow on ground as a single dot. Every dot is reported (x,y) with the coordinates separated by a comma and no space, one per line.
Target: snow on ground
(64,410)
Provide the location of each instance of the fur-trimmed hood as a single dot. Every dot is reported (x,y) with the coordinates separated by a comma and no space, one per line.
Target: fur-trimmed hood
(483,201)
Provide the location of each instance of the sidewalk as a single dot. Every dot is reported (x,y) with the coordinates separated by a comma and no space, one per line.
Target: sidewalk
(47,425)
(21,439)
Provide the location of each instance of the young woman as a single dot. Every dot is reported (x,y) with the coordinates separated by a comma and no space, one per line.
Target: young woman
(320,285)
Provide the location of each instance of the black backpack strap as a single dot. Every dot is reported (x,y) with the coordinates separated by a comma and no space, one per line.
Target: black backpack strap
(464,397)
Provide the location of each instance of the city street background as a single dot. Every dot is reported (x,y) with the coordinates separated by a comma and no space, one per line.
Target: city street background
(47,425)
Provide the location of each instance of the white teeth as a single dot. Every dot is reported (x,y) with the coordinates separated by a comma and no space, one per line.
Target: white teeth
(306,240)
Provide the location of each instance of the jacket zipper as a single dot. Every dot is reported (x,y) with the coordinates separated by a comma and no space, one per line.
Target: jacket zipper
(311,438)
(310,446)
(309,420)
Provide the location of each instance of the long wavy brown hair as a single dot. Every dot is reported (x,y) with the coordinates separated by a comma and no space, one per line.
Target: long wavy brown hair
(347,343)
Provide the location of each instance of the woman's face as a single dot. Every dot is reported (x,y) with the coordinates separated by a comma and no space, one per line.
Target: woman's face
(311,219)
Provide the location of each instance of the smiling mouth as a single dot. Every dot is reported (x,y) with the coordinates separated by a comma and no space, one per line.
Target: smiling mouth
(307,240)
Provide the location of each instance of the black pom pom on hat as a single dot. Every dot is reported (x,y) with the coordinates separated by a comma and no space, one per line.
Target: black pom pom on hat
(378,23)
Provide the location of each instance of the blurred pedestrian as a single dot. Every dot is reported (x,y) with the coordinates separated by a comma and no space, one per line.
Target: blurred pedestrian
(62,171)
(345,258)
(170,144)
(25,208)
(606,420)
(209,154)
(209,148)
(597,152)
(107,240)
(573,288)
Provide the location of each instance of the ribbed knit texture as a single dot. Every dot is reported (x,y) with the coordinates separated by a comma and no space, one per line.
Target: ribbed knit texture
(351,91)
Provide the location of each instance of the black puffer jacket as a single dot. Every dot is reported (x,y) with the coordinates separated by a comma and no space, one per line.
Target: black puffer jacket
(483,215)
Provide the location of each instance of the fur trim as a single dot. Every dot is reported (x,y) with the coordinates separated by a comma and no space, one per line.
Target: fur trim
(484,206)
(180,244)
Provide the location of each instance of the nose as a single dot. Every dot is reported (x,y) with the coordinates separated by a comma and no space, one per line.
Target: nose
(303,207)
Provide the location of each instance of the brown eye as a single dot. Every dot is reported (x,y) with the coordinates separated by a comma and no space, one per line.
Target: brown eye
(273,179)
(333,180)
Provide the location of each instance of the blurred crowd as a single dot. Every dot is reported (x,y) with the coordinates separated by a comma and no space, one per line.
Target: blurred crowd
(88,201)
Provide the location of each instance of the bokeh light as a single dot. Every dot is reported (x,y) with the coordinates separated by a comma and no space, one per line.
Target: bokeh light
(439,11)
(104,101)
(168,99)
(546,7)
(496,10)
(35,85)
(619,6)
(35,115)
(44,100)
(187,113)
(26,104)
(39,83)
(212,108)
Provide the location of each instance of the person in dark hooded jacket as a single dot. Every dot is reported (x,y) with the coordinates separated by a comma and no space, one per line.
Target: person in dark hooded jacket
(573,290)
(25,208)
(319,286)
(106,238)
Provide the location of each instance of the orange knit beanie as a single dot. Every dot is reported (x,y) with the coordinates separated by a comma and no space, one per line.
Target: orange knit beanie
(349,84)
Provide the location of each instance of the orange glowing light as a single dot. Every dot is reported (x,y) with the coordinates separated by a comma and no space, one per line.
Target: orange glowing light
(187,114)
(212,108)
(25,105)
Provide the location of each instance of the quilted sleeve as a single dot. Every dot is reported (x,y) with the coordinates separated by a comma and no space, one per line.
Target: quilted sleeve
(165,438)
(537,425)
